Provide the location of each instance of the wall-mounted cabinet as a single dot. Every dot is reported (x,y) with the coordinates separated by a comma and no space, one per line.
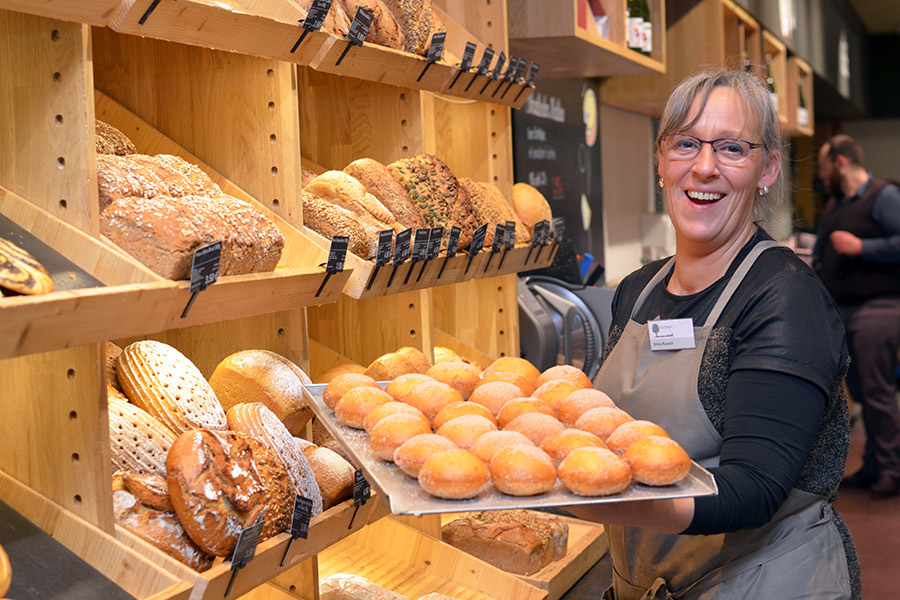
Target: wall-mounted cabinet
(563,38)
(799,98)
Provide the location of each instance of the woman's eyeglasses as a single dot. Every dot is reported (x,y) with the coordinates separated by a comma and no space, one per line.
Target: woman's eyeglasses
(728,151)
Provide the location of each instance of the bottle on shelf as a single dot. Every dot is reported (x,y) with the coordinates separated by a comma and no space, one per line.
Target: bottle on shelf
(802,112)
(646,29)
(634,22)
(770,80)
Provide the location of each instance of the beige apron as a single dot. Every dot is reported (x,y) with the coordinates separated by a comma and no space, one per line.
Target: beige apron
(798,554)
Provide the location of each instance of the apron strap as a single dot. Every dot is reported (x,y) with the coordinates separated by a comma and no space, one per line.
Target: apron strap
(660,275)
(736,280)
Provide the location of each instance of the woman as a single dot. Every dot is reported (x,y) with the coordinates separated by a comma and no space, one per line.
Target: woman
(758,400)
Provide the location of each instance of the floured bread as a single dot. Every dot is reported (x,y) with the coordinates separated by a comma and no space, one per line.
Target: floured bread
(333,473)
(138,441)
(347,586)
(162,381)
(256,420)
(20,272)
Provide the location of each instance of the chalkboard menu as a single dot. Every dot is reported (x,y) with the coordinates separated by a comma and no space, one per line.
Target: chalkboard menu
(556,149)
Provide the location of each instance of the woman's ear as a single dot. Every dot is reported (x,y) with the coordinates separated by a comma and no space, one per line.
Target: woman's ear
(773,168)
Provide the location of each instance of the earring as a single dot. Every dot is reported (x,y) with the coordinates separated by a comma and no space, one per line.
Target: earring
(662,182)
(763,191)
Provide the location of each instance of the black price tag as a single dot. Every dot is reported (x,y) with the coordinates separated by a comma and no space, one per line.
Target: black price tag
(520,69)
(385,241)
(468,56)
(359,28)
(511,68)
(246,544)
(478,239)
(434,242)
(315,18)
(533,69)
(436,49)
(337,254)
(205,266)
(420,245)
(485,63)
(401,246)
(559,226)
(545,232)
(536,234)
(498,68)
(499,238)
(453,241)
(510,238)
(362,491)
(301,516)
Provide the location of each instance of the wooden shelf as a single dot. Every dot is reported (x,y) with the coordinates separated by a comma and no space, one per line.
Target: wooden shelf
(799,80)
(557,36)
(775,52)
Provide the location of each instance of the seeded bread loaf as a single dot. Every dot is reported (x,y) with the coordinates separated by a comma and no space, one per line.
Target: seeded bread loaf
(183,178)
(110,140)
(385,30)
(162,381)
(20,272)
(139,442)
(121,177)
(256,420)
(506,210)
(328,219)
(221,482)
(306,175)
(141,505)
(492,208)
(415,19)
(379,182)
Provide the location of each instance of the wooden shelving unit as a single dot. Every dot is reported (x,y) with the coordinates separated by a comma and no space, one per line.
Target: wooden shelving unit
(801,119)
(562,38)
(775,52)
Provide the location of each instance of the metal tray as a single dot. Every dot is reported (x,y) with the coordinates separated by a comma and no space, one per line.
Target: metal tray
(406,497)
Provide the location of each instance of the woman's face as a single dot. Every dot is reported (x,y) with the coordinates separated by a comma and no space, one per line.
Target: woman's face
(711,204)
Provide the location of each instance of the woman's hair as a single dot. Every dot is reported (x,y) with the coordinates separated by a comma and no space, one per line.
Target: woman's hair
(756,98)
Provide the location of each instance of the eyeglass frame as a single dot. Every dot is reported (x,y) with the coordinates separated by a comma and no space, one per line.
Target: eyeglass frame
(711,145)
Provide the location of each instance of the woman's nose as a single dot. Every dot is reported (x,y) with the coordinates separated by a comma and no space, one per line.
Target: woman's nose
(705,162)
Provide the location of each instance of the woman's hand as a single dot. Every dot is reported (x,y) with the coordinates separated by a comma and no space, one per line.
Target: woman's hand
(667,516)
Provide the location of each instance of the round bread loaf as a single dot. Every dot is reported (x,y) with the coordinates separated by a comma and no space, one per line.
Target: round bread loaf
(390,408)
(402,385)
(460,376)
(555,391)
(266,377)
(340,369)
(514,364)
(602,421)
(488,444)
(630,431)
(579,402)
(390,432)
(454,475)
(342,384)
(464,430)
(353,408)
(558,446)
(530,205)
(518,380)
(589,471)
(138,441)
(162,381)
(221,482)
(256,420)
(494,395)
(566,373)
(520,406)
(522,471)
(458,409)
(430,397)
(333,473)
(444,354)
(413,453)
(657,460)
(536,426)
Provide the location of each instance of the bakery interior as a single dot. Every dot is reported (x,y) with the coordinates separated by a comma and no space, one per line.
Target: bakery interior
(253,123)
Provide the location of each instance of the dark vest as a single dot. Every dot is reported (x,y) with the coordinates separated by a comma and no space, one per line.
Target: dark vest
(851,279)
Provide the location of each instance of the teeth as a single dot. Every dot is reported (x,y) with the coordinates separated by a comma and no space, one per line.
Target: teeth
(704,195)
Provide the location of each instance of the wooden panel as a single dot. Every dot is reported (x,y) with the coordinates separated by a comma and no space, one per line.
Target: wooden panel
(775,52)
(323,358)
(236,113)
(46,117)
(799,80)
(58,444)
(538,19)
(442,338)
(487,21)
(300,582)
(98,12)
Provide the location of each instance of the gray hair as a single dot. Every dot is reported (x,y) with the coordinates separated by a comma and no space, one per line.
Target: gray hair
(756,98)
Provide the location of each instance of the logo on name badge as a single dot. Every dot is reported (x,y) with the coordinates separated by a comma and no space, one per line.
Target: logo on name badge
(671,334)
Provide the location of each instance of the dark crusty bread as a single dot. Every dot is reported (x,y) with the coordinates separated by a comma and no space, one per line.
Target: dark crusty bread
(337,21)
(385,30)
(415,18)
(221,482)
(110,140)
(142,506)
(328,219)
(379,182)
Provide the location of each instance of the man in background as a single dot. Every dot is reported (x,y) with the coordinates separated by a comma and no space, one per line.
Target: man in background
(858,258)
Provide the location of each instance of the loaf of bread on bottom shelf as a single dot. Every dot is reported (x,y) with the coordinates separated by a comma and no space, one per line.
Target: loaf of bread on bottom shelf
(347,586)
(141,505)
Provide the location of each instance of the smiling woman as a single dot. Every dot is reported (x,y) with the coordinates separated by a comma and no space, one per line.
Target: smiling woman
(757,396)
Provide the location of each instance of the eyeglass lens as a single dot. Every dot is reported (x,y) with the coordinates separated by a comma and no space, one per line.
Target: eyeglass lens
(726,150)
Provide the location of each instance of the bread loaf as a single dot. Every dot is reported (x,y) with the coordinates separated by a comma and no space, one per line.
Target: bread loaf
(393,364)
(328,220)
(306,175)
(266,377)
(492,208)
(141,505)
(256,420)
(120,177)
(333,474)
(346,586)
(553,530)
(110,140)
(379,182)
(530,205)
(415,18)
(139,442)
(183,178)
(340,369)
(21,272)
(340,188)
(385,30)
(221,482)
(504,209)
(336,21)
(162,381)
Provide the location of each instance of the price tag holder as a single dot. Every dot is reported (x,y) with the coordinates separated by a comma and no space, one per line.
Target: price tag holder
(419,250)
(401,251)
(509,76)
(382,254)
(245,549)
(452,247)
(362,491)
(337,255)
(359,29)
(483,66)
(509,241)
(530,77)
(435,51)
(300,519)
(543,236)
(314,20)
(535,240)
(476,245)
(497,244)
(466,64)
(559,227)
(204,271)
(495,73)
(433,248)
(521,63)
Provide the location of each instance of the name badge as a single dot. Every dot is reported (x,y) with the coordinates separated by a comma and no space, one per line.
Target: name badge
(671,334)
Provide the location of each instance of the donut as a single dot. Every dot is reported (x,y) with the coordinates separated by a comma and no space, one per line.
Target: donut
(341,384)
(559,445)
(627,433)
(430,397)
(413,453)
(555,391)
(458,409)
(494,395)
(390,408)
(520,381)
(522,471)
(464,430)
(401,385)
(536,426)
(489,443)
(454,475)
(579,402)
(520,406)
(567,372)
(590,471)
(355,405)
(602,421)
(657,460)
(390,432)
(514,364)
(461,376)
